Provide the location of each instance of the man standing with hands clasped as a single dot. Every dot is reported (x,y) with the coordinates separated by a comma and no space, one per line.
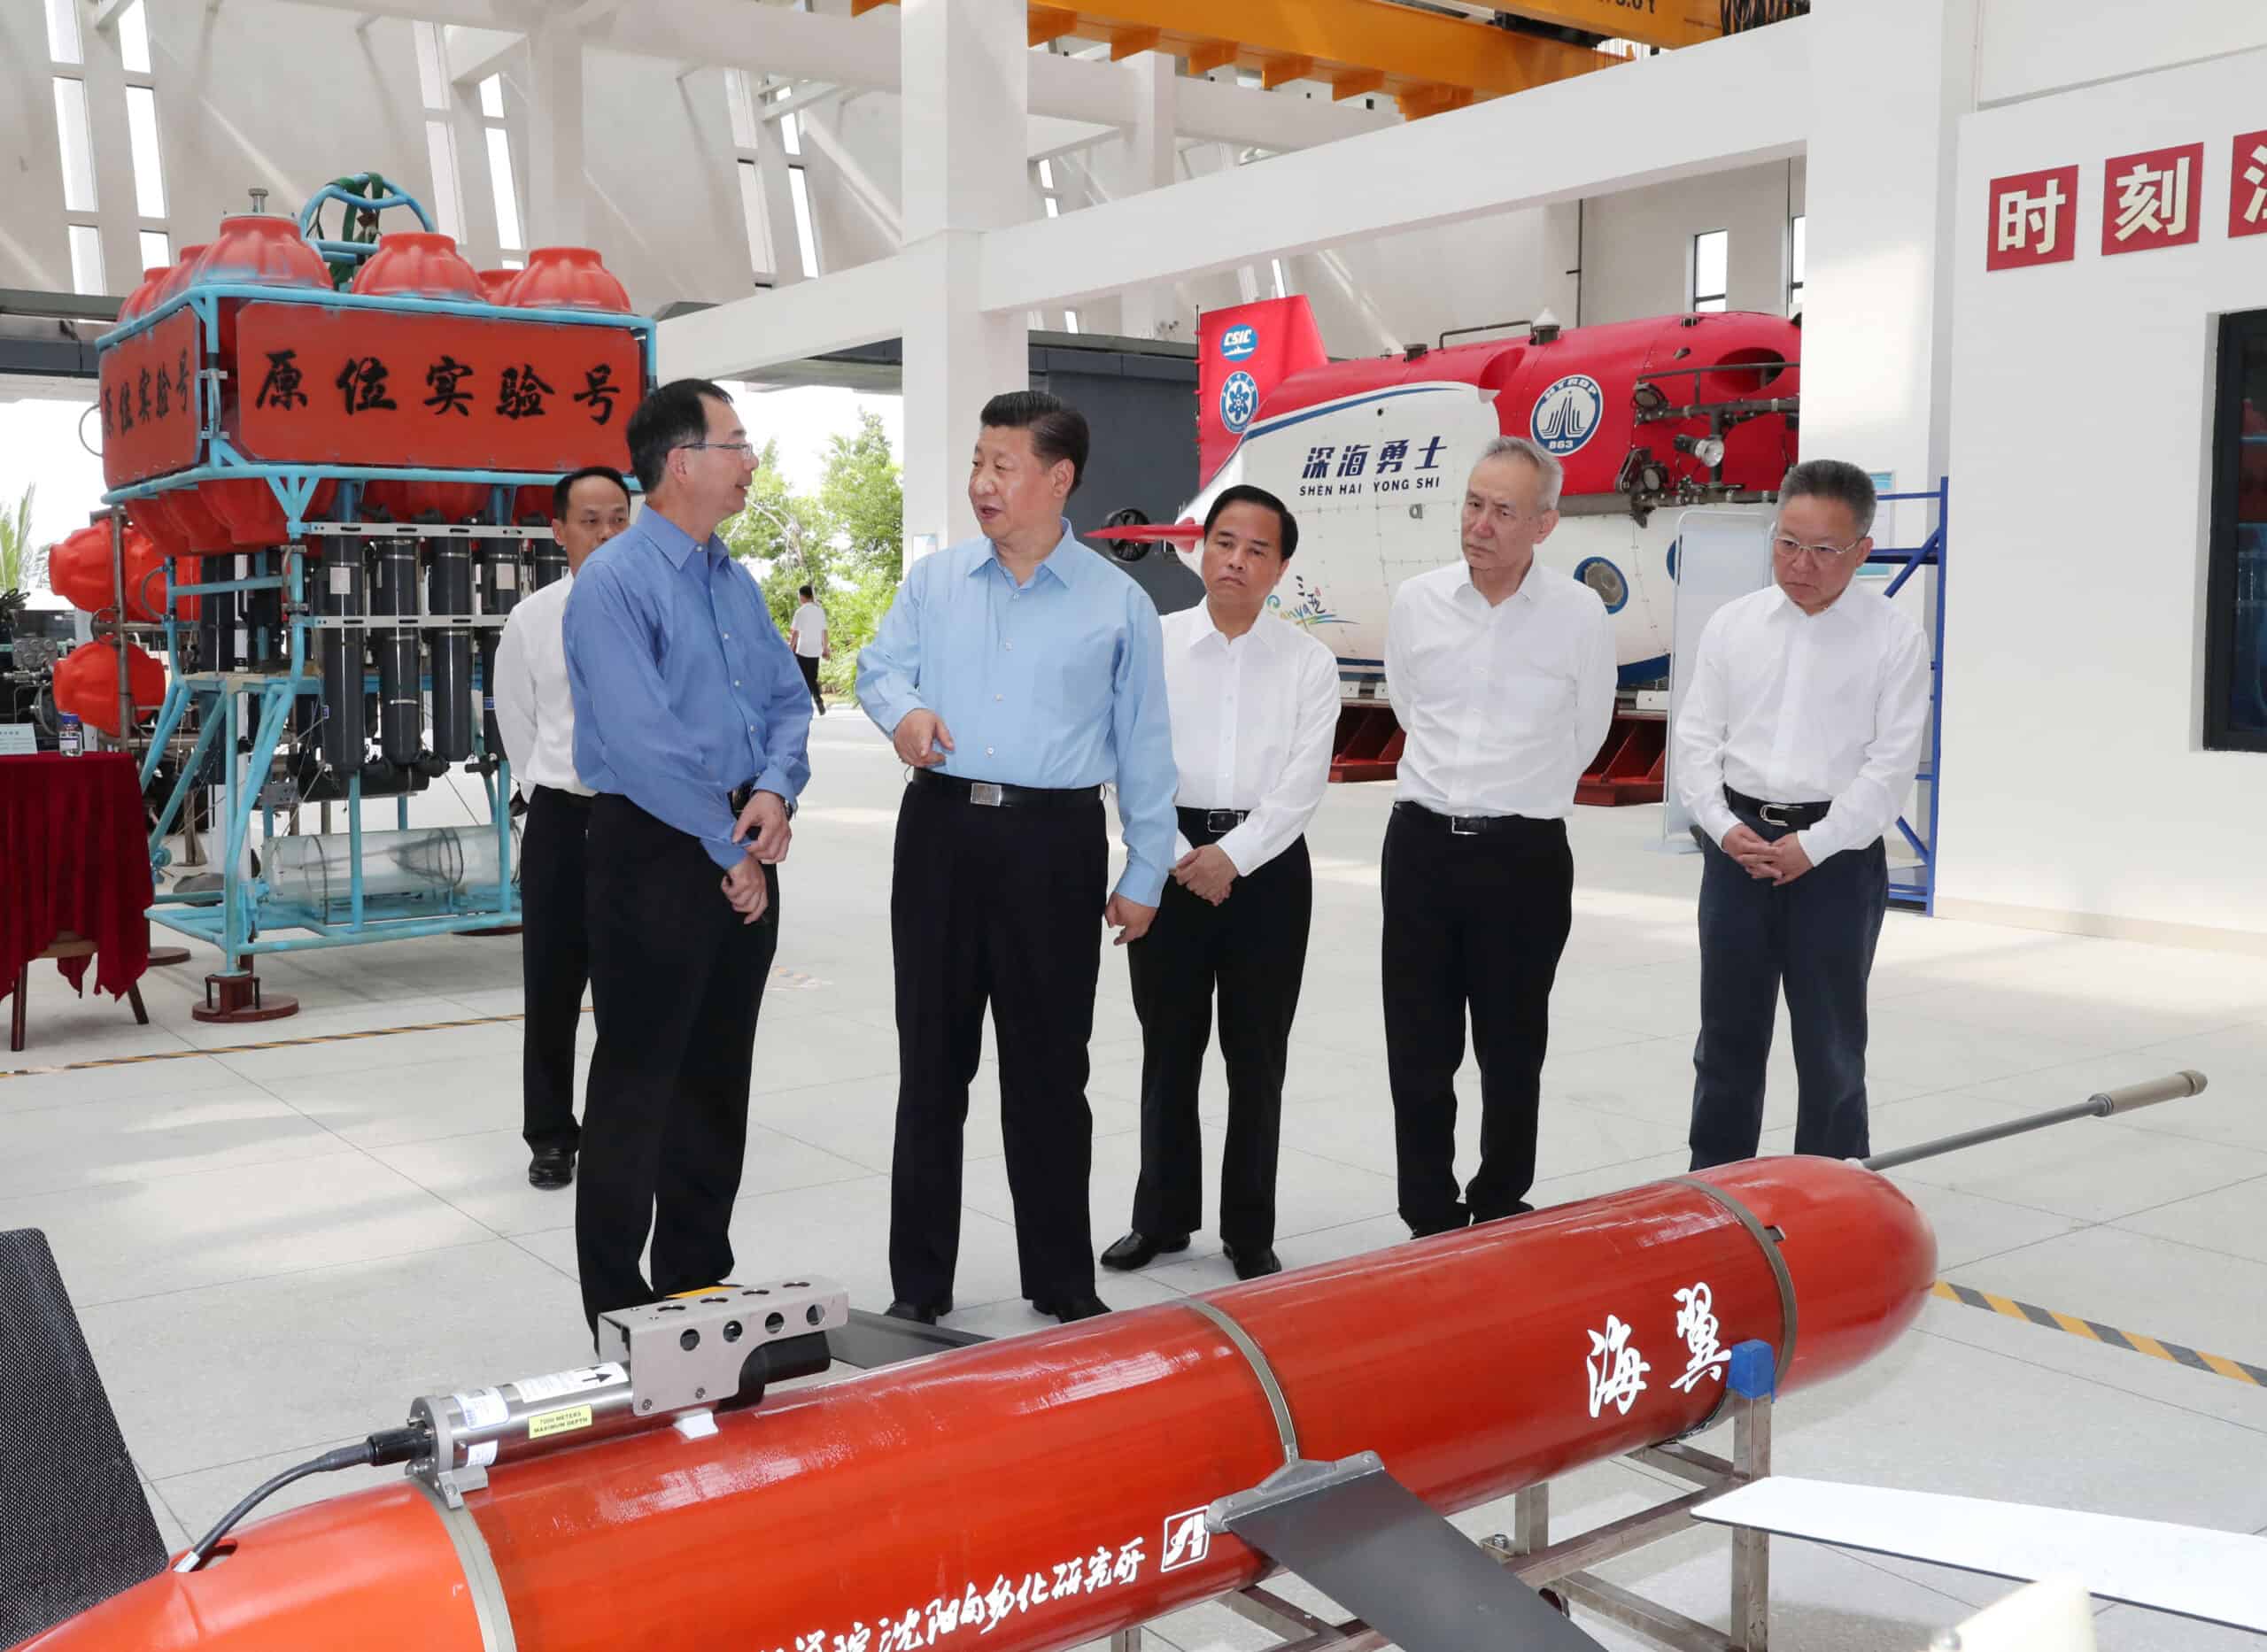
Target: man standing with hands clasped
(1798,740)
(691,727)
(1255,703)
(1014,673)
(1502,673)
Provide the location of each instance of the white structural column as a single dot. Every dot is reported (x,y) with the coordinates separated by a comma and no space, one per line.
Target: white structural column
(555,214)
(1145,160)
(966,104)
(778,203)
(1880,199)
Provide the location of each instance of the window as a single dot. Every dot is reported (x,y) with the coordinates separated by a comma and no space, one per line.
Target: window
(1711,270)
(149,172)
(157,249)
(85,259)
(2235,706)
(440,137)
(1050,194)
(499,165)
(1795,239)
(759,236)
(78,148)
(1070,320)
(63,31)
(1282,286)
(798,190)
(134,39)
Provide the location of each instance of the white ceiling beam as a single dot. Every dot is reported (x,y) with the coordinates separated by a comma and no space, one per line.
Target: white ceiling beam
(107,13)
(1506,153)
(739,340)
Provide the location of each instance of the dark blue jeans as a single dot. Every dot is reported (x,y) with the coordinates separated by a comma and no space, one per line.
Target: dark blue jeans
(1815,937)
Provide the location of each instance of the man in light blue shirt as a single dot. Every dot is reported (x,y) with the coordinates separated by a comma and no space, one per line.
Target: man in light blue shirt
(1017,674)
(690,726)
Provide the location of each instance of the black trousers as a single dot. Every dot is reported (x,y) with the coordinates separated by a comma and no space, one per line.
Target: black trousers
(1472,923)
(810,664)
(1814,937)
(676,979)
(1252,950)
(554,963)
(1000,905)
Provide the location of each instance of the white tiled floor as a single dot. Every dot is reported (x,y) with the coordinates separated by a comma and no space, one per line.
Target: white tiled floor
(335,1228)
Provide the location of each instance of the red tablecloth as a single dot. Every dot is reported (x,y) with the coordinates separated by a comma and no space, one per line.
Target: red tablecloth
(72,856)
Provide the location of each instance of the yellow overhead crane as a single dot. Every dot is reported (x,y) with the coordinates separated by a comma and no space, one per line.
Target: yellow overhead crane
(1427,62)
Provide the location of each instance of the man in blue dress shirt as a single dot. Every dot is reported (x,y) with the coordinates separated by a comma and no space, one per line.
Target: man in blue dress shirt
(1017,674)
(691,727)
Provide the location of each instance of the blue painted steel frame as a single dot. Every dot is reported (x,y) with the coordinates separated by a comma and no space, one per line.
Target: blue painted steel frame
(232,921)
(1916,890)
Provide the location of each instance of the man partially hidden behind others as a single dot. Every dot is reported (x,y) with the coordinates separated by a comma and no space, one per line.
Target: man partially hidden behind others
(1798,739)
(691,725)
(535,713)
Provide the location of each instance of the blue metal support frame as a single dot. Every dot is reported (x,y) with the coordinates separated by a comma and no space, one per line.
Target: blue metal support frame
(224,703)
(1914,889)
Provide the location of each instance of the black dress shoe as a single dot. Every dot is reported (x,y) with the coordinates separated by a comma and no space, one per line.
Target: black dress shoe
(1253,1264)
(903,1309)
(1138,1250)
(1071,1308)
(551,1167)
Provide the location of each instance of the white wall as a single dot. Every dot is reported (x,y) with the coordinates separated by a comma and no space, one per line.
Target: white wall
(1637,246)
(2026,47)
(2076,792)
(281,97)
(663,201)
(35,252)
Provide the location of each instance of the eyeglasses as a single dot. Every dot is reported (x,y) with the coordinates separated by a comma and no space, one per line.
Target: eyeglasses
(746,448)
(1786,546)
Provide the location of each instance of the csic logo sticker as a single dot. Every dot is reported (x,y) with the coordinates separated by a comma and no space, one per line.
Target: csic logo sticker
(1566,415)
(1240,343)
(1239,400)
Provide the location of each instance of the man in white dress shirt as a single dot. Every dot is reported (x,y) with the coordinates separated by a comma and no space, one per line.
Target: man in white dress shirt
(807,637)
(1502,675)
(1255,703)
(1798,739)
(534,711)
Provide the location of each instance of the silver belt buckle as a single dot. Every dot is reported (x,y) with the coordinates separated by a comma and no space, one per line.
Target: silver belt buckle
(985,792)
(1221,821)
(1459,826)
(1773,814)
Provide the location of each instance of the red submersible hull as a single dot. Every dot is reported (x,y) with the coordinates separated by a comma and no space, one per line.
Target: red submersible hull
(1049,1489)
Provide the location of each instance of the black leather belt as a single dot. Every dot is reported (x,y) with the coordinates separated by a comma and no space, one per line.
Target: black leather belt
(993,795)
(1212,823)
(1474,825)
(573,799)
(1798,816)
(739,798)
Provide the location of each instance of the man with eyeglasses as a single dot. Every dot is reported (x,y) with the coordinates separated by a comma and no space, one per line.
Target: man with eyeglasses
(691,728)
(1502,675)
(1798,737)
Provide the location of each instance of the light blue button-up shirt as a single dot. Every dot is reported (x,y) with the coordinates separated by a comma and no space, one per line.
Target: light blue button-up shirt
(683,689)
(1058,683)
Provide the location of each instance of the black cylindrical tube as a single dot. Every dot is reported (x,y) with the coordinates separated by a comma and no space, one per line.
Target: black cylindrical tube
(499,593)
(264,639)
(550,555)
(448,590)
(400,705)
(340,593)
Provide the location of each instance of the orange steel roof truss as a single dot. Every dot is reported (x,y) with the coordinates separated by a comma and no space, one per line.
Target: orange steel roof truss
(1426,62)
